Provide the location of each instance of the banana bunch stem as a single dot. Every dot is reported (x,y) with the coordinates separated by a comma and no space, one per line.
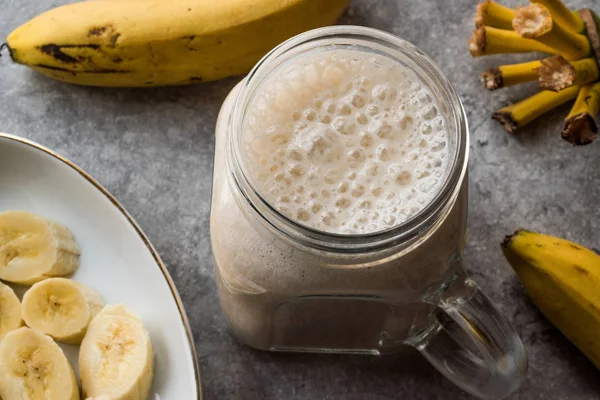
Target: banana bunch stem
(489,13)
(556,73)
(509,75)
(573,70)
(580,126)
(562,15)
(535,22)
(519,114)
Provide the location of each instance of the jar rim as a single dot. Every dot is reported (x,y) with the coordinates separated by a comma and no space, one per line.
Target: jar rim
(340,242)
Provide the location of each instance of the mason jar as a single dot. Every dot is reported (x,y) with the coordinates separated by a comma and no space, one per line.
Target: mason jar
(284,286)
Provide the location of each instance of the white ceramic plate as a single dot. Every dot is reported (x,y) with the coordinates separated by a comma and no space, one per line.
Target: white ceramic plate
(117,259)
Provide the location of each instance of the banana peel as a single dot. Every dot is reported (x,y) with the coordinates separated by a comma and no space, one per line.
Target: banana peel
(563,280)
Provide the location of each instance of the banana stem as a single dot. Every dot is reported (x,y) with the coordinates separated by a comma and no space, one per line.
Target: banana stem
(580,125)
(520,114)
(562,15)
(508,75)
(556,73)
(535,22)
(592,28)
(487,40)
(492,14)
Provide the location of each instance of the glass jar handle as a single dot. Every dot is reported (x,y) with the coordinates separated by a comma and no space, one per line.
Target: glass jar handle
(475,347)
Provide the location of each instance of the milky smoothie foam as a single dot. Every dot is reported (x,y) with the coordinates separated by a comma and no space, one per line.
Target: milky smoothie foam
(345,142)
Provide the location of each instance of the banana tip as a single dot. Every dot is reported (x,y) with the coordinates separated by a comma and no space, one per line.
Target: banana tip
(508,238)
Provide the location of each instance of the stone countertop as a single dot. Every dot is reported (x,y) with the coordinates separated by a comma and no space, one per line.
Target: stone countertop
(153,149)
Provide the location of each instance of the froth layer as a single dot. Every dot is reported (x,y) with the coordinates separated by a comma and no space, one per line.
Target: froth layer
(345,142)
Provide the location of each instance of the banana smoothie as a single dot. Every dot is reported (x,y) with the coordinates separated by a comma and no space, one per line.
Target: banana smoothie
(345,143)
(341,143)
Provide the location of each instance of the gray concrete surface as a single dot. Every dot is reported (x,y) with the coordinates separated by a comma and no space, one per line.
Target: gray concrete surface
(153,150)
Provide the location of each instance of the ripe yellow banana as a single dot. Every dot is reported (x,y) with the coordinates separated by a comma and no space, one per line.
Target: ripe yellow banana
(61,308)
(33,248)
(161,42)
(10,311)
(563,280)
(33,367)
(116,360)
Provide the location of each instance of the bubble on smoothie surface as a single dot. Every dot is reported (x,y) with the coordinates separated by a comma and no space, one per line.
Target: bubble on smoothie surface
(345,142)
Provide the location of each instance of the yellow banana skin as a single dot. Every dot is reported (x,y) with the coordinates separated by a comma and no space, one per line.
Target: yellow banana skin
(146,43)
(563,280)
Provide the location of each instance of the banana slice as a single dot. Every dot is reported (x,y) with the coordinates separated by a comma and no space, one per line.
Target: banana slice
(61,308)
(33,367)
(10,310)
(33,248)
(116,360)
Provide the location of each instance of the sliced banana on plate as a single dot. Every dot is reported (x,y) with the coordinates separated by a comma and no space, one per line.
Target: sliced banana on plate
(10,310)
(116,360)
(33,367)
(61,308)
(33,248)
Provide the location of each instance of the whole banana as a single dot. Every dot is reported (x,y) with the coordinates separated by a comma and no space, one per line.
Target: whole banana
(161,42)
(563,280)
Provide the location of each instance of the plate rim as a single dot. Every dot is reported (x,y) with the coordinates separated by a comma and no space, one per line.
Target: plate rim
(142,236)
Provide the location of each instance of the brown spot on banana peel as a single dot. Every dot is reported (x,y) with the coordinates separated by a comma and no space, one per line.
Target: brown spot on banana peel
(56,52)
(97,31)
(113,40)
(581,270)
(193,79)
(106,33)
(54,68)
(188,42)
(92,71)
